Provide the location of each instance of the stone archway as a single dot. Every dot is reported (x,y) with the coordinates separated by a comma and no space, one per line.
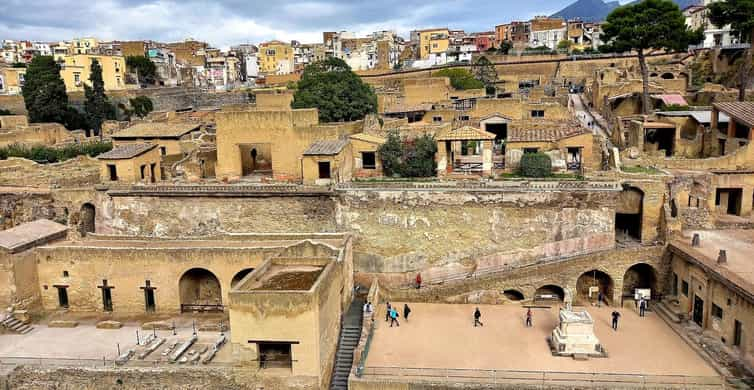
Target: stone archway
(640,275)
(87,217)
(549,292)
(240,275)
(513,295)
(590,280)
(200,291)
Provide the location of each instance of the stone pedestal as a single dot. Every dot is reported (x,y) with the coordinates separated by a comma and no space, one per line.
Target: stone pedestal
(575,335)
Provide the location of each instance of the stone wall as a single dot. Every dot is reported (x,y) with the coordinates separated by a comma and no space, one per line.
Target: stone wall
(404,231)
(196,378)
(76,172)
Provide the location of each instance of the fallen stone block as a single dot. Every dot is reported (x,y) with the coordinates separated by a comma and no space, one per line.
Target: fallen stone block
(109,324)
(158,325)
(62,324)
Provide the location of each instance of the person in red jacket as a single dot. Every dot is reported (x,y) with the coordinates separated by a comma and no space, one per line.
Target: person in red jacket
(418,281)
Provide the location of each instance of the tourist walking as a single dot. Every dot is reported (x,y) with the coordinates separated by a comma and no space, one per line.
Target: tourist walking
(394,317)
(477,317)
(418,281)
(387,312)
(599,299)
(642,307)
(368,307)
(615,315)
(528,317)
(406,311)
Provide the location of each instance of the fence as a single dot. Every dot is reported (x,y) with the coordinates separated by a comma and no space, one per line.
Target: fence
(99,363)
(576,379)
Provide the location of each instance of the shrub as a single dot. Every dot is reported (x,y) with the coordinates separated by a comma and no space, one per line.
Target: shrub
(5,112)
(45,154)
(460,78)
(535,165)
(409,158)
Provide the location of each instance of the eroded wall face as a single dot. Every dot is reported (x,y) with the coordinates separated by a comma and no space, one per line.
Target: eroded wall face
(402,232)
(171,217)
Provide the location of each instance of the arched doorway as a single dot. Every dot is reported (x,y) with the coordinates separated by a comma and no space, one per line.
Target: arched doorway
(641,275)
(200,291)
(550,293)
(86,219)
(240,275)
(594,281)
(628,215)
(667,76)
(514,295)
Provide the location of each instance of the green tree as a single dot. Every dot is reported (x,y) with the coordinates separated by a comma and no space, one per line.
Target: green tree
(535,165)
(144,68)
(44,91)
(97,107)
(391,153)
(5,112)
(338,93)
(485,72)
(650,24)
(505,47)
(740,15)
(141,106)
(460,78)
(419,157)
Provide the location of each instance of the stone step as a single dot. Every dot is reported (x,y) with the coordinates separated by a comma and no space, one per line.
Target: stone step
(662,309)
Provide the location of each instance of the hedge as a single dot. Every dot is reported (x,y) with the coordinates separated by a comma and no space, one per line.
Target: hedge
(535,165)
(46,154)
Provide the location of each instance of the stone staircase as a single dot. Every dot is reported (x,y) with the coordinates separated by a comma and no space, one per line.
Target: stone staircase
(349,338)
(15,326)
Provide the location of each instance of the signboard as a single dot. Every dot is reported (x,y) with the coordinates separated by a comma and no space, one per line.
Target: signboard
(645,293)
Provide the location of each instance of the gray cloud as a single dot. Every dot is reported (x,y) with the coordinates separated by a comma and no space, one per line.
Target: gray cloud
(226,22)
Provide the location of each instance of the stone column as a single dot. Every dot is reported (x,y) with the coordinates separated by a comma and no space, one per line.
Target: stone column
(442,158)
(487,157)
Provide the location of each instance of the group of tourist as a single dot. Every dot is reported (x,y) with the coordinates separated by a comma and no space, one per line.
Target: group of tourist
(391,314)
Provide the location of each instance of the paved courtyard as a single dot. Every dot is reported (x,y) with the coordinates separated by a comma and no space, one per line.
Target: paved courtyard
(87,342)
(443,336)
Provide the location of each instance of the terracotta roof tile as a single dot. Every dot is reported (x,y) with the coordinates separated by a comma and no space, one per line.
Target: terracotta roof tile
(740,111)
(126,151)
(157,130)
(464,133)
(548,133)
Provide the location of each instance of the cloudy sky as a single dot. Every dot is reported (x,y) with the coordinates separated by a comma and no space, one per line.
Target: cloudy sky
(226,22)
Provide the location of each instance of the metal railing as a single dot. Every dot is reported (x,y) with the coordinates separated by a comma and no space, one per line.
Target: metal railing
(494,186)
(98,363)
(579,379)
(218,189)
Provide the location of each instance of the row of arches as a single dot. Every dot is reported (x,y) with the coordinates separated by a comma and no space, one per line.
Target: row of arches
(641,275)
(200,289)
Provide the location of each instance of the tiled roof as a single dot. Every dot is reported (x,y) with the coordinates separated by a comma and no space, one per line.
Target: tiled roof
(672,99)
(546,134)
(740,111)
(368,138)
(465,133)
(126,151)
(157,130)
(399,108)
(29,234)
(326,148)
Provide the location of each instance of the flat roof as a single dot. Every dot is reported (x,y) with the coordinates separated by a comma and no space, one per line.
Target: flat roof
(326,147)
(29,234)
(738,245)
(126,151)
(703,117)
(157,130)
(285,277)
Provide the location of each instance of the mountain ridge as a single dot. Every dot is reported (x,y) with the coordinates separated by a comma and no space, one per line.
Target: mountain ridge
(597,10)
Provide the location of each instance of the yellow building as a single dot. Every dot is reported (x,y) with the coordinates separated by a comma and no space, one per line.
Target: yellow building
(76,70)
(11,80)
(275,57)
(433,41)
(167,135)
(82,45)
(133,163)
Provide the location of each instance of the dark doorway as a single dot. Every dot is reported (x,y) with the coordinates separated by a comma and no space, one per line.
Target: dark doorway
(628,226)
(275,355)
(200,291)
(549,293)
(721,145)
(737,333)
(664,138)
(324,169)
(698,315)
(112,172)
(591,283)
(149,302)
(62,296)
(514,295)
(368,160)
(86,219)
(501,135)
(640,275)
(240,275)
(729,199)
(152,174)
(107,296)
